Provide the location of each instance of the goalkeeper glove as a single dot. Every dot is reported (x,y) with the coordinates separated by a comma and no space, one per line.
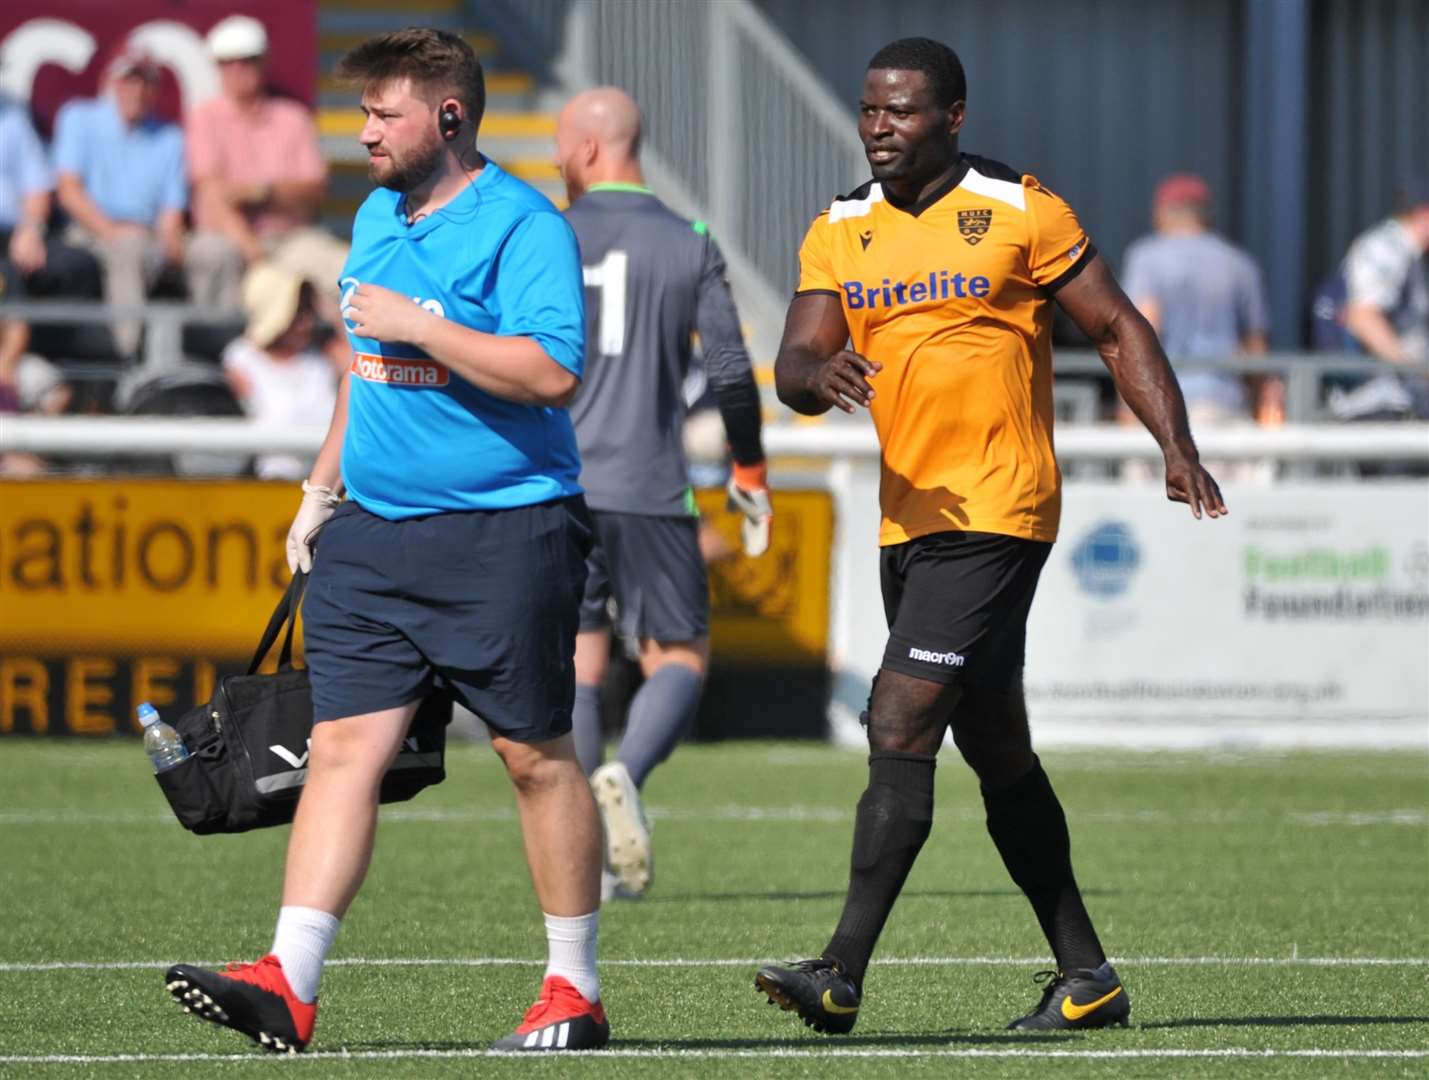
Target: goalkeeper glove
(319,503)
(748,491)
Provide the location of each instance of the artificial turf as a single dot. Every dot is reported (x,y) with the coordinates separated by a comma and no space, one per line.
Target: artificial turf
(1265,904)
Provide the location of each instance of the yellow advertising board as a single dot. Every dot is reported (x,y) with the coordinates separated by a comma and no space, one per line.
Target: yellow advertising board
(131,566)
(115,591)
(773,610)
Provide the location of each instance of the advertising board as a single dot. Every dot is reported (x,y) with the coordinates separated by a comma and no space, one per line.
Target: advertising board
(114,592)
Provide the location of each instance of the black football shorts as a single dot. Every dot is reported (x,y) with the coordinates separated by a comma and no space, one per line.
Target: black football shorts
(957,605)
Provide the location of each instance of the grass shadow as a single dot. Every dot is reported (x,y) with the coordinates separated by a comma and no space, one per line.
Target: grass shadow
(935,894)
(930,1041)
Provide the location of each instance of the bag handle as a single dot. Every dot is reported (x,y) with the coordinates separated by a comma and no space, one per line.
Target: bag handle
(286,612)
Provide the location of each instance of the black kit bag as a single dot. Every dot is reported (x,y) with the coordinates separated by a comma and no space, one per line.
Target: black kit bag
(248,747)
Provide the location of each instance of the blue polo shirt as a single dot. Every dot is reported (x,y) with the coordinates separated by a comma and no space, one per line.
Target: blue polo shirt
(131,173)
(24,169)
(421,439)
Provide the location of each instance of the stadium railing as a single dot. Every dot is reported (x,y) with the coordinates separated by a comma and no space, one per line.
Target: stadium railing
(1306,374)
(164,322)
(119,436)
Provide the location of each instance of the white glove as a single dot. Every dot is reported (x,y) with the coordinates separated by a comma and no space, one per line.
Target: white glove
(319,503)
(748,491)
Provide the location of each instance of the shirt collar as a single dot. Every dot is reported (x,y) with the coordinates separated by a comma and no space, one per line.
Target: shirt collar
(612,185)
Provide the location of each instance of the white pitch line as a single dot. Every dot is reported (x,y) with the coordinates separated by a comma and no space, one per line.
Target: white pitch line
(696,962)
(676,1052)
(795,814)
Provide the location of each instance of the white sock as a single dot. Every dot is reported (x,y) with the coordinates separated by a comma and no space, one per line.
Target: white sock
(571,952)
(300,943)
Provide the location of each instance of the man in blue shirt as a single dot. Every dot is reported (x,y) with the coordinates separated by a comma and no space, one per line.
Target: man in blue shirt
(25,185)
(458,560)
(120,177)
(31,261)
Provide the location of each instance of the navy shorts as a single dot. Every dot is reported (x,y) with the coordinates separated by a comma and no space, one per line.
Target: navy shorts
(957,606)
(484,603)
(651,567)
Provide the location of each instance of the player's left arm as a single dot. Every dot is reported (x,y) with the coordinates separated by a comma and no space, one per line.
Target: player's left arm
(727,365)
(1143,376)
(732,380)
(514,368)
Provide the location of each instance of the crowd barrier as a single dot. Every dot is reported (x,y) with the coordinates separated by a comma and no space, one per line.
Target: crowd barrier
(1300,619)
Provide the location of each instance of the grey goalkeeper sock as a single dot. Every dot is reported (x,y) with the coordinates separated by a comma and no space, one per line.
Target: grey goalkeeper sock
(660,714)
(585,726)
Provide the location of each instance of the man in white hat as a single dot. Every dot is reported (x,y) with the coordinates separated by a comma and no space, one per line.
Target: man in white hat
(258,177)
(276,371)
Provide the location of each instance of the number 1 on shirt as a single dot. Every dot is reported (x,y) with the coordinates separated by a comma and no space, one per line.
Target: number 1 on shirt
(608,277)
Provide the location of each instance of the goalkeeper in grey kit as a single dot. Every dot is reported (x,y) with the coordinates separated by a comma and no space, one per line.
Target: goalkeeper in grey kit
(653,280)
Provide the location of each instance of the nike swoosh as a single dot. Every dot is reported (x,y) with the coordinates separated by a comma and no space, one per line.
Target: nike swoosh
(1072,1011)
(838,1010)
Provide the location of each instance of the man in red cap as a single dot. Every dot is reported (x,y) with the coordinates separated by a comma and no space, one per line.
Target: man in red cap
(120,177)
(1205,298)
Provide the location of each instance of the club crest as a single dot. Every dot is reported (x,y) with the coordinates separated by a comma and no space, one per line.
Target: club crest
(973,224)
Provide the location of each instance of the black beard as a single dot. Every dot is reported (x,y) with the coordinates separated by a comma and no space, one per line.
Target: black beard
(412,174)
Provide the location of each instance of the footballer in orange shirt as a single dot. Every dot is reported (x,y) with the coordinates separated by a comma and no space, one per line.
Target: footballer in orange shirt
(926,297)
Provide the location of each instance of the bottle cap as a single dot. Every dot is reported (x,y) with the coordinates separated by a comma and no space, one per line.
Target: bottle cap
(148,715)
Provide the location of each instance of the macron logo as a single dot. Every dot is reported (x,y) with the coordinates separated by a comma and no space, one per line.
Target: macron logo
(946,659)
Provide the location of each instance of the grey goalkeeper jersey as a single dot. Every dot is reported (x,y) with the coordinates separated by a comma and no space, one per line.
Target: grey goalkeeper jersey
(652,281)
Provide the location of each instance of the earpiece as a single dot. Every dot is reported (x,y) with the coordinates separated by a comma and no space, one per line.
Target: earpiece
(449,121)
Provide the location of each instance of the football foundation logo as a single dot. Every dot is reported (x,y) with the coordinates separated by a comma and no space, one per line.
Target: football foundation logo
(973,224)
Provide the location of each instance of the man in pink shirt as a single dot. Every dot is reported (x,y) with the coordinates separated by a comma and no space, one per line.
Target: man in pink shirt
(258,178)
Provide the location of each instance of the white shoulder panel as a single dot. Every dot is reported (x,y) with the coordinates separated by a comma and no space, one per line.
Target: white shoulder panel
(852,208)
(1001,190)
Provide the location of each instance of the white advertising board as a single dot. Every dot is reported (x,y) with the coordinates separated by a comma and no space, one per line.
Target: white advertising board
(1300,619)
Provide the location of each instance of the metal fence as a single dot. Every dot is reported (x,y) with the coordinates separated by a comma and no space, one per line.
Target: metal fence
(738,128)
(120,436)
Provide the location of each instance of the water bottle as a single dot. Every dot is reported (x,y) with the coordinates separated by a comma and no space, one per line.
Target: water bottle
(161,742)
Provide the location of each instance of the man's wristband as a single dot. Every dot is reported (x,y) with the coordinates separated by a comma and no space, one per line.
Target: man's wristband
(751,477)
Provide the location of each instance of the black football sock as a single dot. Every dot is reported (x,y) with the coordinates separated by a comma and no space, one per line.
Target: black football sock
(894,817)
(1026,823)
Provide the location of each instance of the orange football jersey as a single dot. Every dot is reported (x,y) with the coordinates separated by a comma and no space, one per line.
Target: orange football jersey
(954,298)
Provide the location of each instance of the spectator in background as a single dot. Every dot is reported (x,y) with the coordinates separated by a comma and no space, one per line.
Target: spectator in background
(120,172)
(1387,310)
(28,383)
(258,177)
(25,186)
(1205,298)
(35,263)
(275,369)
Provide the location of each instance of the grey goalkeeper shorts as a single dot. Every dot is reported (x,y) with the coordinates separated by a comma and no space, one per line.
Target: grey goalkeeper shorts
(649,569)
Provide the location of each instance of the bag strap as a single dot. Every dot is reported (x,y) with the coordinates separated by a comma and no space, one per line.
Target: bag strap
(286,612)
